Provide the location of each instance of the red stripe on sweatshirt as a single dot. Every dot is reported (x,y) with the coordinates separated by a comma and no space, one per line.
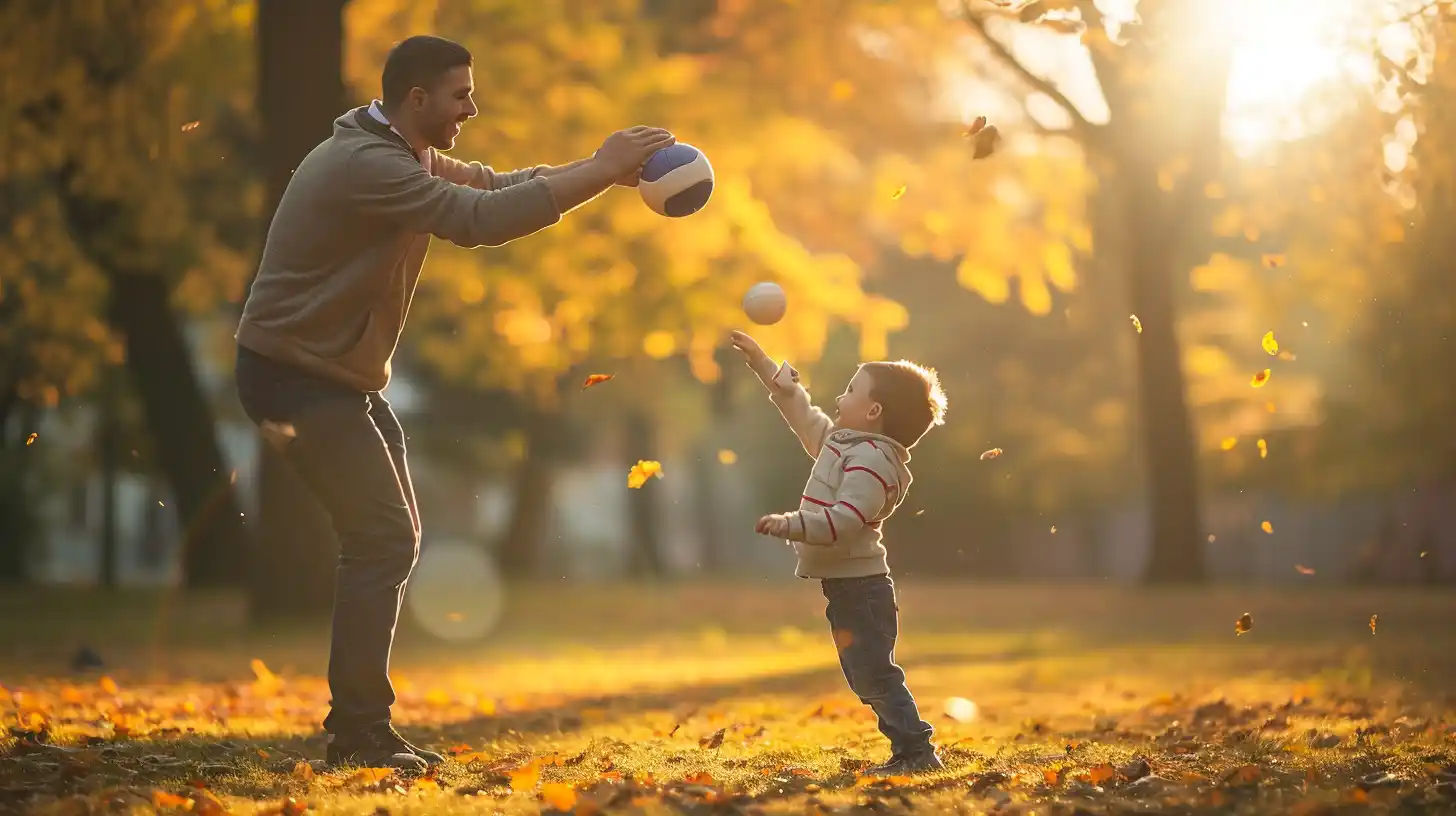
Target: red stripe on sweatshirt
(856,511)
(877,476)
(813,500)
(833,533)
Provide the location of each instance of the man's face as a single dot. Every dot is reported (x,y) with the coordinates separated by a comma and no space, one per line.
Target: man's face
(441,111)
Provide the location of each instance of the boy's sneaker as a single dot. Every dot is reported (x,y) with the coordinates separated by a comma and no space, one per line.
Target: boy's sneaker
(922,760)
(377,746)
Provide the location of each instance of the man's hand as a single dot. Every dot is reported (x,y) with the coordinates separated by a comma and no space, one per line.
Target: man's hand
(624,152)
(753,355)
(776,525)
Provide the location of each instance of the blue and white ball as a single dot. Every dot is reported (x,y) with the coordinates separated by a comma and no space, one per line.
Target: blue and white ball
(676,181)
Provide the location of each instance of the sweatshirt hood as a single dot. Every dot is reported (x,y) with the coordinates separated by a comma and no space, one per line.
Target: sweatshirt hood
(898,454)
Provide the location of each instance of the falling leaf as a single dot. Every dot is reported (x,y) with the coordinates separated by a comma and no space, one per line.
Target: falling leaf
(1270,407)
(1272,261)
(1260,378)
(191,126)
(1244,623)
(559,795)
(30,440)
(525,777)
(1303,570)
(1267,527)
(596,379)
(714,740)
(1270,344)
(987,140)
(233,479)
(1263,449)
(727,457)
(1054,529)
(976,126)
(1229,442)
(1373,620)
(1101,773)
(1136,324)
(642,471)
(895,196)
(991,454)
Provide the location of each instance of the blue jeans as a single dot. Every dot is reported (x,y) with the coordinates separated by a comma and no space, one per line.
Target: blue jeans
(348,447)
(865,621)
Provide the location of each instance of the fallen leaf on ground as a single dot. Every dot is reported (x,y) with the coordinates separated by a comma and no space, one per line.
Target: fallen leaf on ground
(713,740)
(559,795)
(525,777)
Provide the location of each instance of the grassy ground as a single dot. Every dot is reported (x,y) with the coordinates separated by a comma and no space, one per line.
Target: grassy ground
(728,699)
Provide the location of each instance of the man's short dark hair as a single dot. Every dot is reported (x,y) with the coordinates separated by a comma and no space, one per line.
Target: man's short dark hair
(419,62)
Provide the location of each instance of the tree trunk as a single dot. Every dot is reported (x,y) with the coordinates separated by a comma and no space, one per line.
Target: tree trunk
(300,93)
(182,428)
(518,553)
(16,523)
(106,446)
(643,504)
(1166,427)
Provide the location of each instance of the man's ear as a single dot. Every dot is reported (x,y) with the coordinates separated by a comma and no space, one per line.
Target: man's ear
(415,100)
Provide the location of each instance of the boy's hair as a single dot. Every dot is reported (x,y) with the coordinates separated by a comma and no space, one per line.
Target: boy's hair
(419,62)
(910,399)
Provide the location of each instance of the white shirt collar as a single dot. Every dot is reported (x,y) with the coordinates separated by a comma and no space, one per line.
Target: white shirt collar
(376,110)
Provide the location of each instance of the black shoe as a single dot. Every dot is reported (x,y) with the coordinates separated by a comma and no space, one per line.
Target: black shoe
(922,760)
(377,746)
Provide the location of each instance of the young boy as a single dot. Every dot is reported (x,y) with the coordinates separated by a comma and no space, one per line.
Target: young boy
(859,478)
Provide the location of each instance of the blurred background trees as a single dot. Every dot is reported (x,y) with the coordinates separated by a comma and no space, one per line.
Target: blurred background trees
(1218,171)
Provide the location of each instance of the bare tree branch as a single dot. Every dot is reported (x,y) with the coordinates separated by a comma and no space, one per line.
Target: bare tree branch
(1084,130)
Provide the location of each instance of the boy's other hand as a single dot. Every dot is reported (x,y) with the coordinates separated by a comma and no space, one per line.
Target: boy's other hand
(775,525)
(753,355)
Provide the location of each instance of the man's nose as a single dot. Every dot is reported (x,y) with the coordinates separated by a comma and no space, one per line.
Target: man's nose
(470,109)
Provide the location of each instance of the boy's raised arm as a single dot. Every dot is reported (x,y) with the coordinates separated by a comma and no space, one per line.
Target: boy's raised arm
(810,424)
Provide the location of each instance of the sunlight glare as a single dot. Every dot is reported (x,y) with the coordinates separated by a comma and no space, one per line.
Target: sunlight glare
(1285,50)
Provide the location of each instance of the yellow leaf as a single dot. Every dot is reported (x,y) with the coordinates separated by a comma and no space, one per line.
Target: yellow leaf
(368,776)
(659,345)
(559,795)
(1270,344)
(1263,449)
(1273,261)
(991,454)
(1136,324)
(1373,620)
(983,280)
(1229,442)
(162,799)
(595,379)
(642,471)
(30,440)
(895,196)
(525,777)
(1260,378)
(727,457)
(302,770)
(1267,527)
(1303,570)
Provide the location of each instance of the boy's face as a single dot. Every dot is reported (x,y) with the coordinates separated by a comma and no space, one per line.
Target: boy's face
(856,411)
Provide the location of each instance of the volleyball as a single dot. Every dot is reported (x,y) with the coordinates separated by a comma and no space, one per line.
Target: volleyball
(676,181)
(765,303)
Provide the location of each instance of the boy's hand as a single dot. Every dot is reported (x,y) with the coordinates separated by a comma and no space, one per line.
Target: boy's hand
(776,525)
(753,354)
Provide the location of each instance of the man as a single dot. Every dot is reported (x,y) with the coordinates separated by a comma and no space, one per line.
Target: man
(338,271)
